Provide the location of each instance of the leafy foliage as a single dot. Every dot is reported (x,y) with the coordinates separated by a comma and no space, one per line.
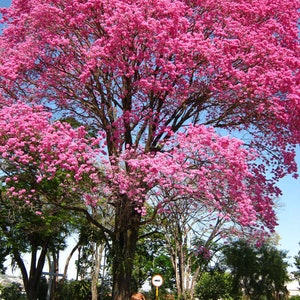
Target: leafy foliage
(258,271)
(215,285)
(77,290)
(12,292)
(297,265)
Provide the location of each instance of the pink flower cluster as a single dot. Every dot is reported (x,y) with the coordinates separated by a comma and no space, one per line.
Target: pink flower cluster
(205,168)
(33,150)
(244,54)
(204,252)
(196,164)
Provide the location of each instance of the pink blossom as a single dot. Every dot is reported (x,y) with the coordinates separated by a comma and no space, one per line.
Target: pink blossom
(19,123)
(137,73)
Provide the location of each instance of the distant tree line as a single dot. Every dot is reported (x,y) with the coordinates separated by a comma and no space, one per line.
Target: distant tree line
(239,270)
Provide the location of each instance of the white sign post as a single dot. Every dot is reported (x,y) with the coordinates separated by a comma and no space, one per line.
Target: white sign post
(157,281)
(52,274)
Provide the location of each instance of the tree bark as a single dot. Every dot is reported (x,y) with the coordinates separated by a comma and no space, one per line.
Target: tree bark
(69,259)
(127,223)
(96,269)
(31,282)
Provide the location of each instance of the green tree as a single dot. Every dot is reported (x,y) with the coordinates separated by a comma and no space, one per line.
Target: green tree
(191,233)
(4,251)
(297,265)
(152,258)
(12,292)
(215,285)
(20,236)
(91,246)
(257,271)
(73,289)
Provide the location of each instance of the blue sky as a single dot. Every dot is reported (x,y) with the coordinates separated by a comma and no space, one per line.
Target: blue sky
(5,2)
(289,208)
(289,213)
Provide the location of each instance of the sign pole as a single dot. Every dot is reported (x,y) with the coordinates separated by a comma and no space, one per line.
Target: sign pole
(52,274)
(157,281)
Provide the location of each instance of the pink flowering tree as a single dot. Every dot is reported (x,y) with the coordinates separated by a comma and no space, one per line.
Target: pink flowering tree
(44,166)
(205,191)
(140,72)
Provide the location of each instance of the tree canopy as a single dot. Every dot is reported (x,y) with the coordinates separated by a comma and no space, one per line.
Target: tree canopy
(162,83)
(296,273)
(257,271)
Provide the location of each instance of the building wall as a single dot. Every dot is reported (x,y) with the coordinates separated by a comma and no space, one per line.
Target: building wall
(293,288)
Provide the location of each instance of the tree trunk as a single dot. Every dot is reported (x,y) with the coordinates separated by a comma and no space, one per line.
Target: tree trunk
(96,269)
(69,259)
(127,223)
(31,282)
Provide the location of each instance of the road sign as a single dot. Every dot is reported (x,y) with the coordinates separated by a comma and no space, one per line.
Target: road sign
(157,280)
